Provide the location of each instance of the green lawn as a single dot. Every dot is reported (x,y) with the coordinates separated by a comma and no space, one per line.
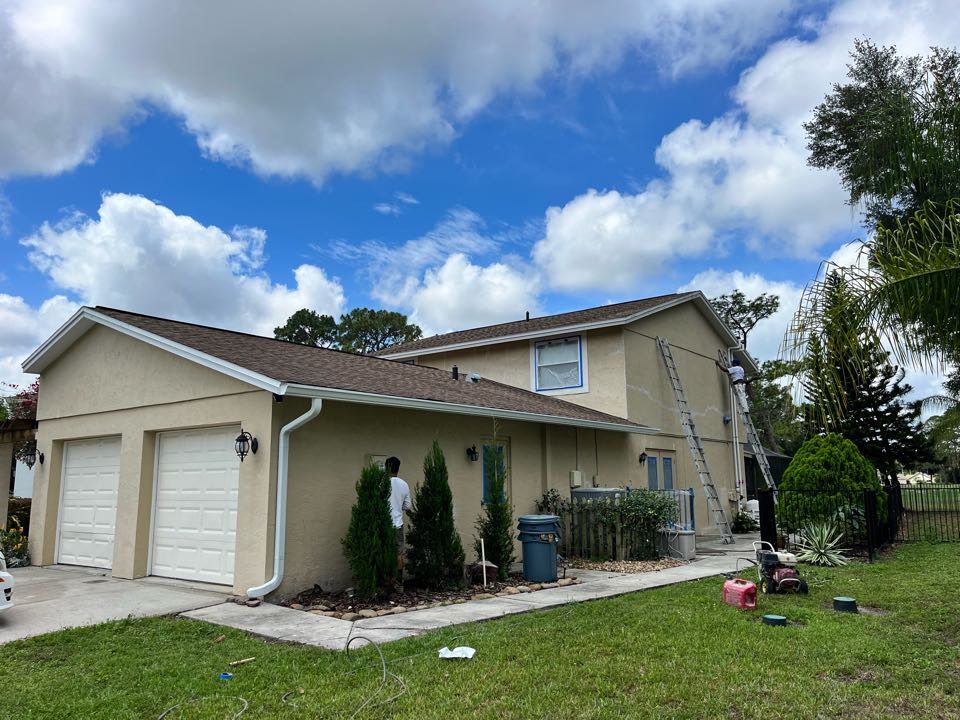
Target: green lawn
(671,653)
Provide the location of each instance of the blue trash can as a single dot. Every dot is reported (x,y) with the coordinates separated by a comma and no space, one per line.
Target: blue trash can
(540,535)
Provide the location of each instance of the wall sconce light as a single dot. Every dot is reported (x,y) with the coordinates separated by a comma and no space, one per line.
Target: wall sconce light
(28,454)
(245,444)
(643,458)
(726,419)
(473,454)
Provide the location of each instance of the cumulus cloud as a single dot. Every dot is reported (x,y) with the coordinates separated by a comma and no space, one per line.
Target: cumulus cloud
(741,175)
(459,294)
(141,256)
(764,340)
(23,328)
(320,88)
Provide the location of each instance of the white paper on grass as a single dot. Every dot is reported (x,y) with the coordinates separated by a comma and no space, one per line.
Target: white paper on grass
(458,652)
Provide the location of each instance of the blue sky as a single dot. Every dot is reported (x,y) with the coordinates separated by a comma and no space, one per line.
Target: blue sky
(460,162)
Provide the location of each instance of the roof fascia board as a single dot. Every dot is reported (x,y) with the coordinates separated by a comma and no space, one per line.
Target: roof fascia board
(36,362)
(549,332)
(309,391)
(48,350)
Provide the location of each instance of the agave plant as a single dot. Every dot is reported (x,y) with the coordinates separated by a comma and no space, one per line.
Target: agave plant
(818,545)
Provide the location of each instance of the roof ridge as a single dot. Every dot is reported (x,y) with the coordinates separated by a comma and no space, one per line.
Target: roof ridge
(265,337)
(394,348)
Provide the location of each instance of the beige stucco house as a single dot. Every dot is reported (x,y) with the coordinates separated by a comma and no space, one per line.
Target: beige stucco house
(607,358)
(138,417)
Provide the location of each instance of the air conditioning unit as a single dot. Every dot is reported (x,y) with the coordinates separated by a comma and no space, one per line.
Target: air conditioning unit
(598,493)
(576,478)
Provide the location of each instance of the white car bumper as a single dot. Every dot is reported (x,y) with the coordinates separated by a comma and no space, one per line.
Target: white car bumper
(6,591)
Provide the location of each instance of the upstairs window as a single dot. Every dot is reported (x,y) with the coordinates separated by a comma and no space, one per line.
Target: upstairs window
(559,364)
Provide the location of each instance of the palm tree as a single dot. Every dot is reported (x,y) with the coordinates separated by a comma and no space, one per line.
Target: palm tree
(904,297)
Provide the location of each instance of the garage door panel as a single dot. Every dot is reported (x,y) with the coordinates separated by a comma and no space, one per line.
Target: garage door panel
(88,509)
(195,517)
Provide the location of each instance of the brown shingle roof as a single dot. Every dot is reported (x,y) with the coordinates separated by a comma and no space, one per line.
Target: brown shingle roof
(604,313)
(322,368)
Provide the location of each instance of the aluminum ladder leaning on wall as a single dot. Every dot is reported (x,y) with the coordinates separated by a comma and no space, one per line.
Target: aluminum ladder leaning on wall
(693,441)
(740,393)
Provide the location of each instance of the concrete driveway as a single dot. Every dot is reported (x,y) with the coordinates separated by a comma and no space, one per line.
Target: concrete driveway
(60,596)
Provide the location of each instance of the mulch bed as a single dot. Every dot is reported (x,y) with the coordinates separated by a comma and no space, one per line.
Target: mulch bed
(345,606)
(626,566)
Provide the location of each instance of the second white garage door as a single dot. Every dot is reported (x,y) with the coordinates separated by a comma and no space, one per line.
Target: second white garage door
(195,522)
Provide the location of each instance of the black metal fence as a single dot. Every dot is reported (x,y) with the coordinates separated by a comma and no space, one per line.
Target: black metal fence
(929,512)
(867,519)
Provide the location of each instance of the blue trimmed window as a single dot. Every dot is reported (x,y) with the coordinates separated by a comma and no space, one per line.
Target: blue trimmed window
(559,363)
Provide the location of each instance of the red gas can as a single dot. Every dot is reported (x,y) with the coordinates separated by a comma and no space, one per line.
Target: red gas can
(740,593)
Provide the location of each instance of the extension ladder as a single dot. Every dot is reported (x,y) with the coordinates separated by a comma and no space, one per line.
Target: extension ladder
(740,393)
(693,441)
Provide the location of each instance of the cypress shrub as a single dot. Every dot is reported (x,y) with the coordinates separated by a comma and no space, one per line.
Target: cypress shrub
(825,481)
(371,542)
(435,554)
(495,524)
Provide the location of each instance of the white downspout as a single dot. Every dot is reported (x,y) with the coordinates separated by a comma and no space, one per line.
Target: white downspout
(281,530)
(737,452)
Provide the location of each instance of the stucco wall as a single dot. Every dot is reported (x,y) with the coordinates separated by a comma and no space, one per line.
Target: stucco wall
(694,345)
(327,455)
(510,363)
(109,385)
(627,378)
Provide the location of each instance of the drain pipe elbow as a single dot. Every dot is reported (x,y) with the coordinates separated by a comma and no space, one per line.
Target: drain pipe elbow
(283,465)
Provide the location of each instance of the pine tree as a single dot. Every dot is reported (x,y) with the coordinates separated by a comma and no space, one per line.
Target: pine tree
(435,555)
(885,429)
(371,542)
(495,524)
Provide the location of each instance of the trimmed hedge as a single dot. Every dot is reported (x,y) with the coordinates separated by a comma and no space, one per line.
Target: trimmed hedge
(827,475)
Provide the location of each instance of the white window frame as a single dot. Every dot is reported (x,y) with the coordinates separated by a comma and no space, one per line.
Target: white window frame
(583,387)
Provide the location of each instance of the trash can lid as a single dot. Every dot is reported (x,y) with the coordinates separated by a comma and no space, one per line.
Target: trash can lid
(538,519)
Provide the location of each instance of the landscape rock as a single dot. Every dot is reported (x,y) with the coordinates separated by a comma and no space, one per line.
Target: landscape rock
(350,616)
(367,613)
(523,588)
(318,607)
(563,582)
(511,591)
(536,586)
(399,609)
(547,585)
(475,571)
(296,606)
(388,611)
(481,596)
(253,602)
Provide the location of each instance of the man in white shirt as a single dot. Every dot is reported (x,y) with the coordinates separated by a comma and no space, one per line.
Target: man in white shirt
(399,501)
(735,371)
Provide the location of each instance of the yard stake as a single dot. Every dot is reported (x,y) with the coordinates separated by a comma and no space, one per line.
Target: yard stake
(483,561)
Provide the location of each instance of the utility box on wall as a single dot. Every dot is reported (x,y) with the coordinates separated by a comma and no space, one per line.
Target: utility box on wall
(576,478)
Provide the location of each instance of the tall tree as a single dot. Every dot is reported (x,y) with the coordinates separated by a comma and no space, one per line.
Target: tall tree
(893,134)
(307,327)
(892,131)
(364,331)
(742,315)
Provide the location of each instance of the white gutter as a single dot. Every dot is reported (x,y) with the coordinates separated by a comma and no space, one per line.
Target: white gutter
(282,466)
(355,396)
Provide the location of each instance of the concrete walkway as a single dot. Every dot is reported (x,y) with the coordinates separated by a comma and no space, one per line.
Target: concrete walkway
(281,623)
(61,596)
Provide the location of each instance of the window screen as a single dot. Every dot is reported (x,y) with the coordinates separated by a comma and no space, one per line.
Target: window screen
(558,364)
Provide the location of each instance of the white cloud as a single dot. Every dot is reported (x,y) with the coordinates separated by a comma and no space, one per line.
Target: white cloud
(23,328)
(764,340)
(387,209)
(319,88)
(743,174)
(459,294)
(406,198)
(141,256)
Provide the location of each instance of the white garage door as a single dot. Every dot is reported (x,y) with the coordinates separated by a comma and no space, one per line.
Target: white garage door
(88,510)
(195,522)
